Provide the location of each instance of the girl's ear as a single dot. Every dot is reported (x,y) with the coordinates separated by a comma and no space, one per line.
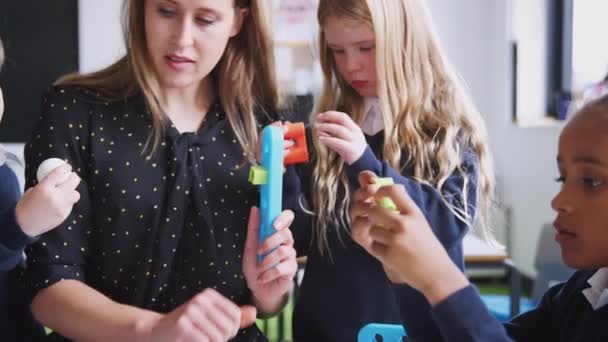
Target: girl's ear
(239,18)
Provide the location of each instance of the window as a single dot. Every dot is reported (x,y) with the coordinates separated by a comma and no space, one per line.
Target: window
(559,56)
(585,58)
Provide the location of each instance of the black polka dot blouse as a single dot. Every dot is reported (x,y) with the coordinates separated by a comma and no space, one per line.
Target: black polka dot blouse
(150,230)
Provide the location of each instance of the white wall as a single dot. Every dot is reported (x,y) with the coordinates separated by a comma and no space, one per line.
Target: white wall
(100,33)
(477,41)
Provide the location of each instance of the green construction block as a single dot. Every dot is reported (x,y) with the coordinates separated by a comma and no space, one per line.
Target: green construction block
(257,175)
(384,181)
(386,202)
(48,331)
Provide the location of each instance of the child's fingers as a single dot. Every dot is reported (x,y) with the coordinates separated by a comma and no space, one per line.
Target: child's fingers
(360,231)
(379,250)
(365,193)
(288,143)
(69,184)
(359,209)
(405,204)
(381,235)
(338,118)
(367,178)
(56,176)
(323,134)
(334,130)
(73,197)
(383,217)
(334,143)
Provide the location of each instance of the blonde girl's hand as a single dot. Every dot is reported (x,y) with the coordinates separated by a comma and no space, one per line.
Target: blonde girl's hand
(403,241)
(208,316)
(271,279)
(338,132)
(49,203)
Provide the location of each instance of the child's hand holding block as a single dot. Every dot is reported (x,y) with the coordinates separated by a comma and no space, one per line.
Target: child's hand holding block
(386,202)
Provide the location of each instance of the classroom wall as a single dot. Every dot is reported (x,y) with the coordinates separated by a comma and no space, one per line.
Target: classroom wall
(477,40)
(100,38)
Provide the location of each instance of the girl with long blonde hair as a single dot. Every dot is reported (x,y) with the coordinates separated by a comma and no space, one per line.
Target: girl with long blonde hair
(392,104)
(157,248)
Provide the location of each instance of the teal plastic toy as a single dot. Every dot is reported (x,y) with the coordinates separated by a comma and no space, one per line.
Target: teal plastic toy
(388,332)
(269,175)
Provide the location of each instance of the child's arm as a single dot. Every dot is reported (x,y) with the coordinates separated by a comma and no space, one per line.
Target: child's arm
(40,209)
(12,238)
(49,203)
(448,228)
(403,241)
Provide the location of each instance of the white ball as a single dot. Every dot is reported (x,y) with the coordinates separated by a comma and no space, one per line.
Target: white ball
(49,165)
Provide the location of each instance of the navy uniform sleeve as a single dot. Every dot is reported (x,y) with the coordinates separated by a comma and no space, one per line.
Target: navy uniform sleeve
(62,132)
(464,317)
(535,325)
(12,239)
(447,227)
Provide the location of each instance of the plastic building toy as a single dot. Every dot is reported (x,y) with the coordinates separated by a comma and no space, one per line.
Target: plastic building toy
(387,332)
(48,166)
(385,201)
(269,175)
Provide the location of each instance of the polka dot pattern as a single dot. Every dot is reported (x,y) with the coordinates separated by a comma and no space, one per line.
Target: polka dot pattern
(149,231)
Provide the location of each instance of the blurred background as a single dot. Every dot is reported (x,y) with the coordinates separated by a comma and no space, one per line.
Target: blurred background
(528,65)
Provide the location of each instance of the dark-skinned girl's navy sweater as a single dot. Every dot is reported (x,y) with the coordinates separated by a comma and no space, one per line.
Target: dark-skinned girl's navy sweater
(563,314)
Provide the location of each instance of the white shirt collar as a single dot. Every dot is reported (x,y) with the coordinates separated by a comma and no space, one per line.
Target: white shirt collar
(597,294)
(372,121)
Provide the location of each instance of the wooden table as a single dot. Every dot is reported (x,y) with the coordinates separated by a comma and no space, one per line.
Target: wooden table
(478,251)
(478,255)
